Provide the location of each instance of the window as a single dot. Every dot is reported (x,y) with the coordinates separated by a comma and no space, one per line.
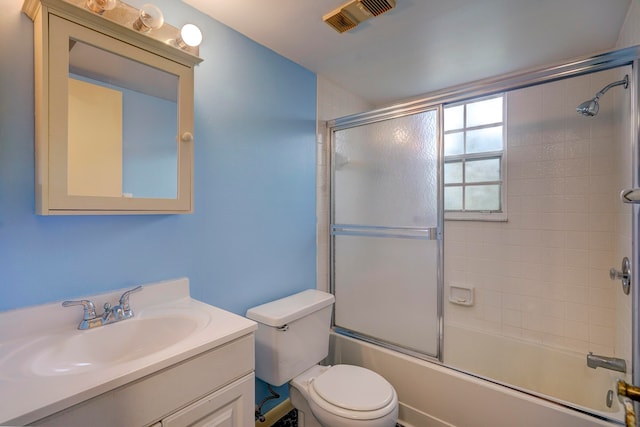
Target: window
(474,149)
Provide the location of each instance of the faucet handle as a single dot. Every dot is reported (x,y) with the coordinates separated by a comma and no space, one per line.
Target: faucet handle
(88,306)
(124,299)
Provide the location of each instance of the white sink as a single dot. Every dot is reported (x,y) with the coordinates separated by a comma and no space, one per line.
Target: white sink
(74,351)
(96,348)
(47,364)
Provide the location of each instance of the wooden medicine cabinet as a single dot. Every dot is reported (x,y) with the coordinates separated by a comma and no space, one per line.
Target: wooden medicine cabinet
(114,112)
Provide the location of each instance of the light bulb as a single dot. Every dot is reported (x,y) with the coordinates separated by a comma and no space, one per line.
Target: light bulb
(151,18)
(190,35)
(99,6)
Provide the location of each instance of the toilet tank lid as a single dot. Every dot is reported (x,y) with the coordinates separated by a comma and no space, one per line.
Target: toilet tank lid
(285,310)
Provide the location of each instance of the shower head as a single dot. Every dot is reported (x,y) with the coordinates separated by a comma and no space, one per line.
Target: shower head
(590,108)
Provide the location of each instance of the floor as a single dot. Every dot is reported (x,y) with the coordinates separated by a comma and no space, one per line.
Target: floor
(291,420)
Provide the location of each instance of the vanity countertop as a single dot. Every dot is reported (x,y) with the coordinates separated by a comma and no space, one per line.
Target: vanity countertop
(29,392)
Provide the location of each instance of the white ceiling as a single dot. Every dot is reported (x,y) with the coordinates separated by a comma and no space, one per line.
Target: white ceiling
(425,45)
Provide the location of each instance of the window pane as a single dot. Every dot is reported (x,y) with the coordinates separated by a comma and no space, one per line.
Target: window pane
(453,198)
(473,147)
(453,173)
(481,170)
(482,140)
(484,112)
(454,118)
(454,144)
(482,198)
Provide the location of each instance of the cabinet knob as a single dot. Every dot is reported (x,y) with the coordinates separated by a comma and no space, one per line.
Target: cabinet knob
(187,137)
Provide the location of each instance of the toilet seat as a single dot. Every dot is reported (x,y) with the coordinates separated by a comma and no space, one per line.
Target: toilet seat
(353,392)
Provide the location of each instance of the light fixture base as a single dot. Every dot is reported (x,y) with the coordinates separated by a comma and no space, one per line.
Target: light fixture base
(118,23)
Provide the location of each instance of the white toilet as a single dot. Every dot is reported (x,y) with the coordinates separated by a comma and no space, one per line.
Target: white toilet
(292,337)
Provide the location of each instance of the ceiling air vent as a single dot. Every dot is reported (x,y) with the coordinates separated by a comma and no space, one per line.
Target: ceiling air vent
(378,7)
(349,15)
(340,21)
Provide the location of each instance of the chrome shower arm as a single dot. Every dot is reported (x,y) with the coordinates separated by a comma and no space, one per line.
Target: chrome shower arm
(604,90)
(590,108)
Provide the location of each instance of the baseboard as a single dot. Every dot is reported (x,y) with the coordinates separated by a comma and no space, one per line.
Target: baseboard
(272,417)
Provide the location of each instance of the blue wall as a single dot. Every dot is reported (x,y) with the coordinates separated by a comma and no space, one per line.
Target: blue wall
(251,238)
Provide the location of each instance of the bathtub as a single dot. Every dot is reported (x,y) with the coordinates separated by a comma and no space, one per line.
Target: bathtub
(438,396)
(549,373)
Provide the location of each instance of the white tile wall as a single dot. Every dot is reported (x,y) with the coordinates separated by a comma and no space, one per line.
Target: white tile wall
(543,275)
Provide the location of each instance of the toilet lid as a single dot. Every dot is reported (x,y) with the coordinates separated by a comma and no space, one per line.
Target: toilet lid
(354,388)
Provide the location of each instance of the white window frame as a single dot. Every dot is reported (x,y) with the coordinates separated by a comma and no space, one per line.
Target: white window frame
(464,215)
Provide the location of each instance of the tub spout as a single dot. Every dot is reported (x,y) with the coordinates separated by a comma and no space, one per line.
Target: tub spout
(594,361)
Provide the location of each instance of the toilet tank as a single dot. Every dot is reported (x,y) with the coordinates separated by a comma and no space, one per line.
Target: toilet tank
(292,335)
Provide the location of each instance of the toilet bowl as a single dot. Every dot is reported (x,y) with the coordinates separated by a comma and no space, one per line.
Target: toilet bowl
(343,396)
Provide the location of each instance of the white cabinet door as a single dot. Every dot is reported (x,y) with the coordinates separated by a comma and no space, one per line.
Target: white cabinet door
(231,406)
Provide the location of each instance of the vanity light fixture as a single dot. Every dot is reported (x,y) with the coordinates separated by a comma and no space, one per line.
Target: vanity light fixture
(190,35)
(150,18)
(100,6)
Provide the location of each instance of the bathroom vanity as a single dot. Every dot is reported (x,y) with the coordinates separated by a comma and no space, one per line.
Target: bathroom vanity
(176,361)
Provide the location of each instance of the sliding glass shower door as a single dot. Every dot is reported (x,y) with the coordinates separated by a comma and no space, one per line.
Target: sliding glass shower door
(387,231)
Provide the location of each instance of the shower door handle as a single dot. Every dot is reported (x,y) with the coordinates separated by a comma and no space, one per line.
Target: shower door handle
(429,233)
(630,195)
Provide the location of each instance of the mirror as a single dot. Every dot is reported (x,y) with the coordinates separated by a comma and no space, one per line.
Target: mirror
(122,121)
(114,112)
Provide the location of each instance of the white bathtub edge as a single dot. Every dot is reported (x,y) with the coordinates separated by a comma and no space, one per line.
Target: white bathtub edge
(411,417)
(430,393)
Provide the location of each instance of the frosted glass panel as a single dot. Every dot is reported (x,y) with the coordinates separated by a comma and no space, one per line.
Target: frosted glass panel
(453,173)
(387,288)
(453,198)
(482,170)
(385,173)
(487,139)
(482,198)
(454,144)
(454,118)
(385,264)
(484,112)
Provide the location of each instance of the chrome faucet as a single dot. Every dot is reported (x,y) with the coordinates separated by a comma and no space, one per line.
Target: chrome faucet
(594,361)
(91,319)
(124,302)
(111,314)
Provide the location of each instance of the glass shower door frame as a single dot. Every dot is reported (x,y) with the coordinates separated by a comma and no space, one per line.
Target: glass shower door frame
(635,227)
(519,80)
(424,233)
